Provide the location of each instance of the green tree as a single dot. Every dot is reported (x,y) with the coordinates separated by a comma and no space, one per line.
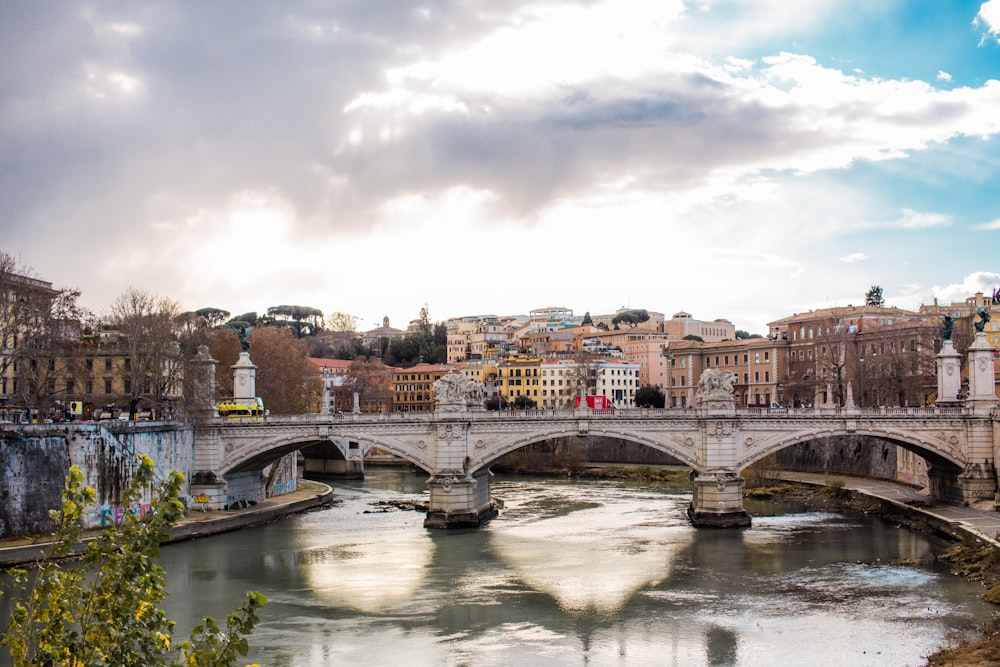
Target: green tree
(649,396)
(103,609)
(424,343)
(524,403)
(633,318)
(873,297)
(301,320)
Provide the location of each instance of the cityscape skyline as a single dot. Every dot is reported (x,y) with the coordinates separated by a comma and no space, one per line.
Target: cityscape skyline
(732,159)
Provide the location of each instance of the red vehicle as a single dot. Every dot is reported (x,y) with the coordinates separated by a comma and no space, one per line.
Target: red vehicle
(595,402)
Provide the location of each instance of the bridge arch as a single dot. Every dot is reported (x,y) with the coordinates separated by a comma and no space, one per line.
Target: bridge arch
(260,453)
(936,453)
(667,443)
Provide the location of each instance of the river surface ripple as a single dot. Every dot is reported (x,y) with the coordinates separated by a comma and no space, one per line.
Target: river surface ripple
(574,573)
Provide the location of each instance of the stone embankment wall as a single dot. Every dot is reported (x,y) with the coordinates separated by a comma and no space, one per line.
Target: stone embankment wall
(863,456)
(35,461)
(600,449)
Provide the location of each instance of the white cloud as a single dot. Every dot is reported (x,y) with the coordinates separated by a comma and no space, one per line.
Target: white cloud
(979,281)
(854,257)
(988,18)
(943,76)
(989,226)
(920,220)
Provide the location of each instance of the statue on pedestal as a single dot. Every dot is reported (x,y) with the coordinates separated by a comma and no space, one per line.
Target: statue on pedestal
(715,386)
(949,327)
(984,317)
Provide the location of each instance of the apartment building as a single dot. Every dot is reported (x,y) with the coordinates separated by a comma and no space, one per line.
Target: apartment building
(759,364)
(618,380)
(887,356)
(561,382)
(477,337)
(682,324)
(520,377)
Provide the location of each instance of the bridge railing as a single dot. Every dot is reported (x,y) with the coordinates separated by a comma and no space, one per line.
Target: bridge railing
(612,413)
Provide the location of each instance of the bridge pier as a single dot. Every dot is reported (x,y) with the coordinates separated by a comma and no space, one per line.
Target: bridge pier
(459,500)
(717,500)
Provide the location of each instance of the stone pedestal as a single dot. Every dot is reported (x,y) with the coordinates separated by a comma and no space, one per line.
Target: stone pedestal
(982,384)
(977,482)
(949,375)
(244,378)
(717,501)
(458,500)
(202,369)
(208,492)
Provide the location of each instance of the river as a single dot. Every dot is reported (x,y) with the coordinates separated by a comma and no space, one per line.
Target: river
(575,573)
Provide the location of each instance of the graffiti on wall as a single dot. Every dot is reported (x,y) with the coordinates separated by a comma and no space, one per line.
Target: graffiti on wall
(115,515)
(281,488)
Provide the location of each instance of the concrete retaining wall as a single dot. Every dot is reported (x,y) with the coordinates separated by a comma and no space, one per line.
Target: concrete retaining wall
(36,459)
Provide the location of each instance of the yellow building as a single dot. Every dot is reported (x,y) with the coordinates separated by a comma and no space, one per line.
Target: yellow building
(520,376)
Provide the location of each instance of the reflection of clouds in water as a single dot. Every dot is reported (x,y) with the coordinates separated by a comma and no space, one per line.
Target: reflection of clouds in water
(774,529)
(370,576)
(593,559)
(511,644)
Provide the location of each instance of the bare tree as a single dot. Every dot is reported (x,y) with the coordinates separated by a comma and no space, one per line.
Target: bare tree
(49,356)
(152,366)
(371,380)
(39,336)
(14,279)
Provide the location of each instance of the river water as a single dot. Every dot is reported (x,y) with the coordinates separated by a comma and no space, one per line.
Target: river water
(574,573)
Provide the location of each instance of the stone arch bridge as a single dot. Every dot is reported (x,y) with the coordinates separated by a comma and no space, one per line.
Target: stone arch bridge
(457,443)
(456,449)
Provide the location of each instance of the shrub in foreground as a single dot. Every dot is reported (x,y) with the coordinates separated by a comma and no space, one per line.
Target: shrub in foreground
(103,607)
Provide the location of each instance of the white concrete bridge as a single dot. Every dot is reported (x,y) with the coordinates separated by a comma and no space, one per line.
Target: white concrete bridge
(457,443)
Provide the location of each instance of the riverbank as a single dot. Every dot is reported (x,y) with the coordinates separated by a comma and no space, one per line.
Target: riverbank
(975,530)
(196,524)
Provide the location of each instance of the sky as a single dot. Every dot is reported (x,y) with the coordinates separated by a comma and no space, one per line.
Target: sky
(737,159)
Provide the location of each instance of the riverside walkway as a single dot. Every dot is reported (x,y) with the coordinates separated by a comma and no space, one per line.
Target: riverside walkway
(196,523)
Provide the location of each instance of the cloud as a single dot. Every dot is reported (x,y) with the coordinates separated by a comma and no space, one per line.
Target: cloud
(920,220)
(989,226)
(854,257)
(988,19)
(943,76)
(326,153)
(979,281)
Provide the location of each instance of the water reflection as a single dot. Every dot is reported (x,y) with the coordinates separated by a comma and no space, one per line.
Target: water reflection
(573,574)
(368,576)
(592,559)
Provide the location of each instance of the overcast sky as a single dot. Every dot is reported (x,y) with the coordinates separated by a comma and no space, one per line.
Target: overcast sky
(739,159)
